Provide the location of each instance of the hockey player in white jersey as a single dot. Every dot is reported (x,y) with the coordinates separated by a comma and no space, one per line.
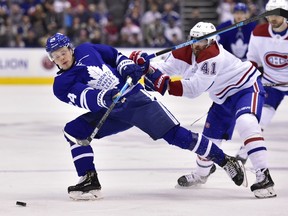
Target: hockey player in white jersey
(237,94)
(268,49)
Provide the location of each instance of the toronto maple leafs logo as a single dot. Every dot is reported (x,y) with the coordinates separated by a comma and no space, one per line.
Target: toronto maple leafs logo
(102,78)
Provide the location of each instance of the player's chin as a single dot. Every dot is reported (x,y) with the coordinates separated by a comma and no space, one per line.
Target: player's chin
(65,66)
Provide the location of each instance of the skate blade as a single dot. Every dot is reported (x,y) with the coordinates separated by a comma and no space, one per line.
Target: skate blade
(265,193)
(245,180)
(91,195)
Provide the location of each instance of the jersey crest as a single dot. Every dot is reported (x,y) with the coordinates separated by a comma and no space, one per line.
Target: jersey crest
(276,60)
(102,78)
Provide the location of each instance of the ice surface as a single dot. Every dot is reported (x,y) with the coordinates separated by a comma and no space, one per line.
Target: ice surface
(138,175)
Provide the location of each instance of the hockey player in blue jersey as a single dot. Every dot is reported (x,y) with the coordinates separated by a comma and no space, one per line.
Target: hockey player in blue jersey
(89,77)
(236,40)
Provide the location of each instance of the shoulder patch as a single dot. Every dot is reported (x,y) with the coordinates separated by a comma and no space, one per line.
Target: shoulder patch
(208,53)
(261,30)
(184,54)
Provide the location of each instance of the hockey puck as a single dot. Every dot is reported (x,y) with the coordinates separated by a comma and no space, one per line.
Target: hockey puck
(21,203)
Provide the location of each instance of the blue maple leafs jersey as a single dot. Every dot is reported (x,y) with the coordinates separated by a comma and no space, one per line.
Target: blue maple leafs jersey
(236,40)
(94,69)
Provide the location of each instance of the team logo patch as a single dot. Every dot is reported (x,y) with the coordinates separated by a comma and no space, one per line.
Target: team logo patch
(276,60)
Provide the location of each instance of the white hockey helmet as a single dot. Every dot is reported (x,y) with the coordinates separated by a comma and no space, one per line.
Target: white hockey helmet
(273,4)
(201,29)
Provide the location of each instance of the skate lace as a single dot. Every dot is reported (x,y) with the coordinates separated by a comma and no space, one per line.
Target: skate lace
(230,169)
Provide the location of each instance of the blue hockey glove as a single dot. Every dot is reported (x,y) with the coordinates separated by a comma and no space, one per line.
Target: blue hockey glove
(157,81)
(105,98)
(139,58)
(128,68)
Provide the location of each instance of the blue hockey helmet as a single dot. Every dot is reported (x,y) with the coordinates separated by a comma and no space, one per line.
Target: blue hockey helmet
(56,42)
(240,7)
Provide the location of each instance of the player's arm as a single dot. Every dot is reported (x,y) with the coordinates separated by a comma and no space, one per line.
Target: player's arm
(155,79)
(81,95)
(125,66)
(252,53)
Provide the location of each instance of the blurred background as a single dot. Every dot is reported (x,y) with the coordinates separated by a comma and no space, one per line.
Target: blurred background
(149,25)
(121,23)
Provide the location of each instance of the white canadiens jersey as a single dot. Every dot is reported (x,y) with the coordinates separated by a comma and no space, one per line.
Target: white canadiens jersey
(270,51)
(215,71)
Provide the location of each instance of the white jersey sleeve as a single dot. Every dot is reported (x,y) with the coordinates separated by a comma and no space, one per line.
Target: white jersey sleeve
(253,54)
(215,71)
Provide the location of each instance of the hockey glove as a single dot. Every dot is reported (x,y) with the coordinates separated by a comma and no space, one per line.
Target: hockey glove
(157,81)
(128,68)
(139,58)
(105,98)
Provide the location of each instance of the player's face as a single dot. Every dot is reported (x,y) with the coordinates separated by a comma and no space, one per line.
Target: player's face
(199,46)
(239,16)
(63,57)
(276,21)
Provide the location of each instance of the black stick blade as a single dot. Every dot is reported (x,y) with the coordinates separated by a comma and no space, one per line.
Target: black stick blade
(283,13)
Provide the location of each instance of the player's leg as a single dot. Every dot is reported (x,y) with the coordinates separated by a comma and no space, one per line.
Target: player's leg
(248,113)
(216,129)
(273,98)
(153,118)
(204,168)
(204,147)
(250,131)
(88,187)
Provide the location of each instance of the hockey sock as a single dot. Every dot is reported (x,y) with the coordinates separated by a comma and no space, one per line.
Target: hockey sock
(83,157)
(199,144)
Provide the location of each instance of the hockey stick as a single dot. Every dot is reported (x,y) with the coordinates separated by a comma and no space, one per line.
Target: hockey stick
(277,11)
(198,119)
(87,141)
(275,84)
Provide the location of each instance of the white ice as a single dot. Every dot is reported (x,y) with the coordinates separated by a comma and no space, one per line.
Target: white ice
(138,175)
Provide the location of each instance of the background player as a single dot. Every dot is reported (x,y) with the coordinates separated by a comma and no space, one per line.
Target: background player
(236,40)
(268,50)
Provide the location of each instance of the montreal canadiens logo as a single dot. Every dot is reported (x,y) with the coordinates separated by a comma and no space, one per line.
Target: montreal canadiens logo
(276,60)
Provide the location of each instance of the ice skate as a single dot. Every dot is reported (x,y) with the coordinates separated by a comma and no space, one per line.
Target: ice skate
(88,188)
(242,155)
(263,188)
(235,171)
(194,179)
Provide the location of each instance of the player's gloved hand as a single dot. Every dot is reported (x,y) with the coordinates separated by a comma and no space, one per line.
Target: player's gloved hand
(157,81)
(106,97)
(139,58)
(128,68)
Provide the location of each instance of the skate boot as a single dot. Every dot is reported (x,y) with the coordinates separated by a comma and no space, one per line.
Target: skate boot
(194,179)
(235,170)
(88,188)
(242,155)
(263,188)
